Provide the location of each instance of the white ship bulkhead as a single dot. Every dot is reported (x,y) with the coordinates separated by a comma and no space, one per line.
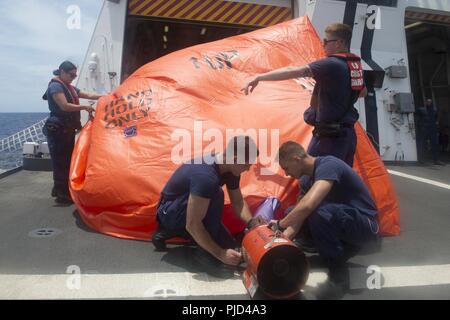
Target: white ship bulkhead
(403,44)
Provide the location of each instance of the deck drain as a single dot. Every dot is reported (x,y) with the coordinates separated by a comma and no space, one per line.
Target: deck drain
(44,233)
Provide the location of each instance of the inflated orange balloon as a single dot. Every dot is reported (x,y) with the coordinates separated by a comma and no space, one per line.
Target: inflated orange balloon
(188,102)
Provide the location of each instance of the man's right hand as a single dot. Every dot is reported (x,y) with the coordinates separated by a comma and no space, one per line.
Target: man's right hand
(231,257)
(250,85)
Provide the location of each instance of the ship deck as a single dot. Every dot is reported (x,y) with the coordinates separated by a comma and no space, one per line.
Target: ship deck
(414,265)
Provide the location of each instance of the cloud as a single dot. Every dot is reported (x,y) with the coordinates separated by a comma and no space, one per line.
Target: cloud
(42,26)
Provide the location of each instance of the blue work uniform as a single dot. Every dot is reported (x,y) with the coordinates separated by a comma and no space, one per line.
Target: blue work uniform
(427,129)
(332,102)
(347,215)
(203,180)
(60,129)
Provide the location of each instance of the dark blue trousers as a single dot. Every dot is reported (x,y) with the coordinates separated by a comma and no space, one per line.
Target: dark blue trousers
(171,215)
(334,225)
(431,134)
(60,144)
(342,147)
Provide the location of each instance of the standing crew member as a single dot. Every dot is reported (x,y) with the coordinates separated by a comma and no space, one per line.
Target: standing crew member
(62,125)
(339,83)
(427,130)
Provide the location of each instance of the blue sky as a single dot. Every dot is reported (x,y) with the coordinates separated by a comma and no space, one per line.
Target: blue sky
(34,40)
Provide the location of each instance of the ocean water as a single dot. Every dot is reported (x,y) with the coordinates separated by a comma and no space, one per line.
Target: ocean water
(11,123)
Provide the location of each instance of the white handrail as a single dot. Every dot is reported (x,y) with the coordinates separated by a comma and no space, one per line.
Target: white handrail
(31,134)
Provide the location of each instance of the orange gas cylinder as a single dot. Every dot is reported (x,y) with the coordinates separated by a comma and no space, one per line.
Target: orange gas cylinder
(275,265)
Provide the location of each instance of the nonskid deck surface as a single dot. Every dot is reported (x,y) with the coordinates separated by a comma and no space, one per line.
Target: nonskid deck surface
(43,248)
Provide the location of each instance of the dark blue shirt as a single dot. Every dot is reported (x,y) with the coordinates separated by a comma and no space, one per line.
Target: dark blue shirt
(332,93)
(56,87)
(348,188)
(203,180)
(426,118)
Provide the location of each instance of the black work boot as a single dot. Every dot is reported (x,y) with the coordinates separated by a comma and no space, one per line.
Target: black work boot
(306,245)
(61,193)
(162,234)
(63,198)
(338,283)
(339,274)
(159,238)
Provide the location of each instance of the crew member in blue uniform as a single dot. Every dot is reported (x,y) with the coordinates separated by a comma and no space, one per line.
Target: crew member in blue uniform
(339,83)
(427,130)
(62,125)
(336,207)
(192,200)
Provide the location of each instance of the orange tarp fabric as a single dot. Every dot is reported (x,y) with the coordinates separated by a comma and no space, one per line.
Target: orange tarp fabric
(177,106)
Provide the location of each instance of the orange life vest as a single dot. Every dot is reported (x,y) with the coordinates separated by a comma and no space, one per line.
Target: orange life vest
(355,68)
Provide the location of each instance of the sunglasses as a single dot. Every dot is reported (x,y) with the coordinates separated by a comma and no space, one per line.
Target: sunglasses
(72,74)
(326,41)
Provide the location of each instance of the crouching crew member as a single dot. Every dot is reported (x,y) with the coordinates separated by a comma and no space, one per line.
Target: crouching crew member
(337,208)
(192,200)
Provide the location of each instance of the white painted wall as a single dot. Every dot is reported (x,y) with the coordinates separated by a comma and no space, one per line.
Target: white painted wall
(389,47)
(106,46)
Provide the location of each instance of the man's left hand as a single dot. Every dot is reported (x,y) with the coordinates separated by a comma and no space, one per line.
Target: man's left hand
(274,225)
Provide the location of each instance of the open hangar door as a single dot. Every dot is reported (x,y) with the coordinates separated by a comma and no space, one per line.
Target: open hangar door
(428,40)
(155,28)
